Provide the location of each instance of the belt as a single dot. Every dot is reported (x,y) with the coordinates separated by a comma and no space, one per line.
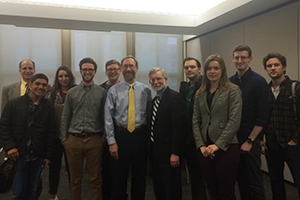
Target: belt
(121,128)
(84,135)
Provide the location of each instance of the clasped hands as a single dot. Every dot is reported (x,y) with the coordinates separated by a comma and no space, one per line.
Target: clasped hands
(209,151)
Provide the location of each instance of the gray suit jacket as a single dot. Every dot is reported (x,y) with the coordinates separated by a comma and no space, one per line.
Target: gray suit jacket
(222,121)
(9,92)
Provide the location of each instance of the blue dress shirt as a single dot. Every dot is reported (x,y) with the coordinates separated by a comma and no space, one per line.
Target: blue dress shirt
(116,107)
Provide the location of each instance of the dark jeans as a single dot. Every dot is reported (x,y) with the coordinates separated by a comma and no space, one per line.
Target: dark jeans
(220,172)
(132,155)
(275,160)
(26,178)
(249,175)
(55,166)
(198,185)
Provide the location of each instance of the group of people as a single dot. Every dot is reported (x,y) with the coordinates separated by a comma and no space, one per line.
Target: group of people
(214,123)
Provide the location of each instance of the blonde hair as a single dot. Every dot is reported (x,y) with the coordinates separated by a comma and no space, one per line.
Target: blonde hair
(224,83)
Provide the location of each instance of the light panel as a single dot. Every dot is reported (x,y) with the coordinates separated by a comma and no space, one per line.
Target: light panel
(166,7)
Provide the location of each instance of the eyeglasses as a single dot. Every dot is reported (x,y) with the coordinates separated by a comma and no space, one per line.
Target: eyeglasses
(236,58)
(87,70)
(156,79)
(112,69)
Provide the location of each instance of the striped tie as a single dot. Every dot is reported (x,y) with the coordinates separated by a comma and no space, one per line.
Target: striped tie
(155,107)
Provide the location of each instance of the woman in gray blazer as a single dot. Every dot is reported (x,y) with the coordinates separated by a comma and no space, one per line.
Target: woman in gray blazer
(216,119)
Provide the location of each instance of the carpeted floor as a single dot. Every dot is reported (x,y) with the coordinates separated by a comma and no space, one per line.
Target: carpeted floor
(63,193)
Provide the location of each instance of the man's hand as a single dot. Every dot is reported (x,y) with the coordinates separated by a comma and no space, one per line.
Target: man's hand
(113,149)
(246,147)
(174,160)
(263,147)
(13,154)
(46,162)
(292,143)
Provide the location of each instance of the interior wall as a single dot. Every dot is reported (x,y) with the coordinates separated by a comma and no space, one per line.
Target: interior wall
(274,31)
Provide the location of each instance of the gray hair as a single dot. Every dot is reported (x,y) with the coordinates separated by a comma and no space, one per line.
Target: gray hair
(156,69)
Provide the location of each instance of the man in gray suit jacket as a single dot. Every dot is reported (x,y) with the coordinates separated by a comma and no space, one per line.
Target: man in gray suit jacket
(26,70)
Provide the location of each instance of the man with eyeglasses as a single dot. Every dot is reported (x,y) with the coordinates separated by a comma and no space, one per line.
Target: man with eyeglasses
(125,125)
(192,69)
(254,118)
(82,129)
(166,118)
(112,71)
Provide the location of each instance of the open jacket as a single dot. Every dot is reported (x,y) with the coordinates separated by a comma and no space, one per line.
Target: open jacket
(222,121)
(15,132)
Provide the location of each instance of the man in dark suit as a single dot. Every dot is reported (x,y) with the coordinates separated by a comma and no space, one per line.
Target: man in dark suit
(166,137)
(27,70)
(192,69)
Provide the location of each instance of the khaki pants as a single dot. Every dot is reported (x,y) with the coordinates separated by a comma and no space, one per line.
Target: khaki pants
(91,149)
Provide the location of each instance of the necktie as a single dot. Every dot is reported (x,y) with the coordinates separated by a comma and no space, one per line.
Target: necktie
(131,110)
(154,112)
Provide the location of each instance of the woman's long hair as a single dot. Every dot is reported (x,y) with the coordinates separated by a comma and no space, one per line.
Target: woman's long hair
(57,86)
(224,83)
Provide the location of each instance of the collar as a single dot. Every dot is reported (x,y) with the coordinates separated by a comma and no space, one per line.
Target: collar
(23,83)
(198,81)
(84,86)
(162,93)
(283,83)
(26,95)
(246,75)
(128,84)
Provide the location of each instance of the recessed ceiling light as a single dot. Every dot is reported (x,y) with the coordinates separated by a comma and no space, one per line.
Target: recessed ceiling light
(168,7)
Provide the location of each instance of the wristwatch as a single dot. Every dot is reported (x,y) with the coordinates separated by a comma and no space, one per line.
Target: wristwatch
(249,141)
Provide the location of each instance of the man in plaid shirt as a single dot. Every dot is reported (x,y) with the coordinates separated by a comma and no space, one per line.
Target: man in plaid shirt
(283,130)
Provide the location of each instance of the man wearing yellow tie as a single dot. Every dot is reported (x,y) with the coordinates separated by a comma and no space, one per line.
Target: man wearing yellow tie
(125,117)
(27,70)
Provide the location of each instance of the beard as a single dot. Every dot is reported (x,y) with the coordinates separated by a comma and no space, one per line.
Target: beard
(128,76)
(87,80)
(158,88)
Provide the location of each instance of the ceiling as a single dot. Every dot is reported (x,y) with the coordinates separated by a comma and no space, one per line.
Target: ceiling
(53,16)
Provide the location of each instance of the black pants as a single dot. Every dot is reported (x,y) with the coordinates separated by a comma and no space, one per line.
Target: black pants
(106,173)
(55,166)
(132,154)
(249,176)
(198,185)
(166,179)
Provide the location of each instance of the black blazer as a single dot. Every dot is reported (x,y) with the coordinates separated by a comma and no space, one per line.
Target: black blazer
(168,127)
(183,90)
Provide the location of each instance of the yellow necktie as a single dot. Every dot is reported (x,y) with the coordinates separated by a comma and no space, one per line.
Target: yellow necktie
(131,110)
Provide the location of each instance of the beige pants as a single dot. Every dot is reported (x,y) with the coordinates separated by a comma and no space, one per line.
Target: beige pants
(90,149)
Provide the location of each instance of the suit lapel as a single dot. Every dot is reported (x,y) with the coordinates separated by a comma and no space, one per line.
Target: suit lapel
(214,100)
(163,101)
(16,89)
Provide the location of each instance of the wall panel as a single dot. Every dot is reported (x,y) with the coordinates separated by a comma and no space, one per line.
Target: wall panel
(275,31)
